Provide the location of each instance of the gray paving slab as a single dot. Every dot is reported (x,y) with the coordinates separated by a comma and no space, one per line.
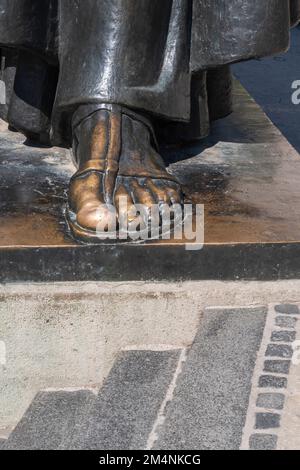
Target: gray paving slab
(283,336)
(127,406)
(279,350)
(287,322)
(263,442)
(277,366)
(267,381)
(288,309)
(49,420)
(211,398)
(2,443)
(270,400)
(267,420)
(120,417)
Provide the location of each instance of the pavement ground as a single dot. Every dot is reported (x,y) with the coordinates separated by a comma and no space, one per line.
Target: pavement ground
(237,386)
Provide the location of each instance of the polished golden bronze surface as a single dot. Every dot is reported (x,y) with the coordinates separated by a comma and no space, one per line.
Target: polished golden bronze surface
(116,157)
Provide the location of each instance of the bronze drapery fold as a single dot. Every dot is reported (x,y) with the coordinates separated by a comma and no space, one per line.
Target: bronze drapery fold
(145,54)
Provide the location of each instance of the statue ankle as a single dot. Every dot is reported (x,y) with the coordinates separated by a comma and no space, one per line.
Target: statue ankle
(98,128)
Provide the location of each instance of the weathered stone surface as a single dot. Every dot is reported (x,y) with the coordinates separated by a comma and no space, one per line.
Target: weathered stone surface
(283,336)
(270,400)
(279,350)
(71,333)
(272,381)
(211,398)
(267,420)
(263,442)
(126,408)
(50,420)
(286,322)
(289,309)
(120,417)
(2,443)
(278,366)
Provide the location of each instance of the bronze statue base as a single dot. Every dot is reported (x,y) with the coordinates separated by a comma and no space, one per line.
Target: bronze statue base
(246,174)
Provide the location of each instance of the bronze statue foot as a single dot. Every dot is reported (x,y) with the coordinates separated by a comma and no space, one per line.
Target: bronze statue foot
(114,149)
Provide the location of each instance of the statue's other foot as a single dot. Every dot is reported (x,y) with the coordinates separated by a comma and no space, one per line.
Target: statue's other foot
(118,168)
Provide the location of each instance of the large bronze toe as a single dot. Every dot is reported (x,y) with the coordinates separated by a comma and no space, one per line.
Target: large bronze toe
(88,211)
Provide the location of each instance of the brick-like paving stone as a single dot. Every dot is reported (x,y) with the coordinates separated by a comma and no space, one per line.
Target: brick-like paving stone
(270,400)
(288,309)
(279,350)
(263,442)
(286,322)
(267,420)
(284,336)
(277,366)
(272,381)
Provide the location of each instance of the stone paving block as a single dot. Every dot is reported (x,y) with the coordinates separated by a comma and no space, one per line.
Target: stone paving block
(270,400)
(50,420)
(284,336)
(127,406)
(288,309)
(278,366)
(267,420)
(286,322)
(2,443)
(279,350)
(263,442)
(211,398)
(272,381)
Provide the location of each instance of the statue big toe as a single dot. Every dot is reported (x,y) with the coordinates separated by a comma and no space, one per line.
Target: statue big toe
(114,149)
